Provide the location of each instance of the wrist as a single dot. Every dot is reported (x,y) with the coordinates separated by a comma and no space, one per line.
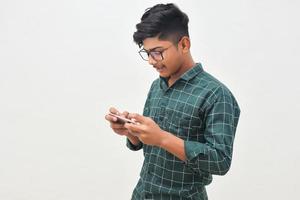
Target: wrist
(173,144)
(164,139)
(133,139)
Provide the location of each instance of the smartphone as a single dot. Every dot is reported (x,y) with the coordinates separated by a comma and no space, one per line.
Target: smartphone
(121,119)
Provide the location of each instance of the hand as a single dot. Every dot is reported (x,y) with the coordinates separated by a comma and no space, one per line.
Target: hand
(146,130)
(114,124)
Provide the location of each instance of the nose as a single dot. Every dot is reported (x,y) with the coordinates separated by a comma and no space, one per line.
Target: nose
(151,61)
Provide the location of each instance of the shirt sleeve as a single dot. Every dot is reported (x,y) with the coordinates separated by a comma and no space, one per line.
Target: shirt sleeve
(132,146)
(215,154)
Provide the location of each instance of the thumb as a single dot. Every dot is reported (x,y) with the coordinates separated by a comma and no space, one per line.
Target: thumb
(113,110)
(137,117)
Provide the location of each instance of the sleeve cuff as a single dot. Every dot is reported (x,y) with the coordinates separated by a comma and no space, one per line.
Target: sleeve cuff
(194,149)
(132,146)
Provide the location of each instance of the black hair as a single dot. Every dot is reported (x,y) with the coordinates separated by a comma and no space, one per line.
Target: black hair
(166,21)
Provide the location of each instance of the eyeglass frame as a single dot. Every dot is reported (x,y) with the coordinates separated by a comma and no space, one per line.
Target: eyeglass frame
(151,51)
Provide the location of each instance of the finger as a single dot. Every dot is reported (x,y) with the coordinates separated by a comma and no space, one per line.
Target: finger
(117,125)
(133,133)
(137,117)
(114,110)
(111,118)
(133,127)
(125,114)
(121,131)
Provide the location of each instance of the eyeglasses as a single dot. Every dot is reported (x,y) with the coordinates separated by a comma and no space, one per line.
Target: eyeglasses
(156,55)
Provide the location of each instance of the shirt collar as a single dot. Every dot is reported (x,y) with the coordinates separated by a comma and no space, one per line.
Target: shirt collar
(191,73)
(188,75)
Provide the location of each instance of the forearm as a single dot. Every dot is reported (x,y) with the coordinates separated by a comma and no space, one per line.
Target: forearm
(207,159)
(173,144)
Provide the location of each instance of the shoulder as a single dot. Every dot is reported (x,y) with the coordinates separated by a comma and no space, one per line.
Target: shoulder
(155,82)
(154,85)
(215,90)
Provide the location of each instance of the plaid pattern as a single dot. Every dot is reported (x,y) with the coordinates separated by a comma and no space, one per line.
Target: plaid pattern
(203,112)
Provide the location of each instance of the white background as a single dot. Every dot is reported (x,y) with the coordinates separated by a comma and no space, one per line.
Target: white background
(63,63)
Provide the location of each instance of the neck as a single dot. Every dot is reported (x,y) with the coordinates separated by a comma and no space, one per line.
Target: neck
(186,65)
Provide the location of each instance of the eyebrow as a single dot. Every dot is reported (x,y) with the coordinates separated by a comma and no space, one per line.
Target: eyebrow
(153,48)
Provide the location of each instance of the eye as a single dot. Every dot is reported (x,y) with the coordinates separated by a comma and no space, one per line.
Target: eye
(155,53)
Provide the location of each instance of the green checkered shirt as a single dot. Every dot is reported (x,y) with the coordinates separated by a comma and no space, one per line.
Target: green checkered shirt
(203,112)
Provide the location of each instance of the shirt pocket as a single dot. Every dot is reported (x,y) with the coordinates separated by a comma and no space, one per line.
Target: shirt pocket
(185,127)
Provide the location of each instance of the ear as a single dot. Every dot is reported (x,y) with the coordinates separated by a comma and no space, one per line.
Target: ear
(185,44)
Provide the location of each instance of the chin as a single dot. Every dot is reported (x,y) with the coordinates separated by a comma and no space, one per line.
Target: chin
(164,75)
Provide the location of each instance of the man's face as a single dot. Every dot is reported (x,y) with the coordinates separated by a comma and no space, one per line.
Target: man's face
(164,56)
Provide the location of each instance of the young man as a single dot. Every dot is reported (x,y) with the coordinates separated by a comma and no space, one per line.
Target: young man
(189,120)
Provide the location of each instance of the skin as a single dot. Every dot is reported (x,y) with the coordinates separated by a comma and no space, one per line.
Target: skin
(177,60)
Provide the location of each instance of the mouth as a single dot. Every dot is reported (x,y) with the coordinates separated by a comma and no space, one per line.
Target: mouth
(160,69)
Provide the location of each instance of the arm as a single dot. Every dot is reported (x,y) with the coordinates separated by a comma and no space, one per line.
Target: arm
(173,144)
(213,156)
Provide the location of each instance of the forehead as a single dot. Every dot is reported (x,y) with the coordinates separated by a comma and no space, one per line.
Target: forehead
(154,42)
